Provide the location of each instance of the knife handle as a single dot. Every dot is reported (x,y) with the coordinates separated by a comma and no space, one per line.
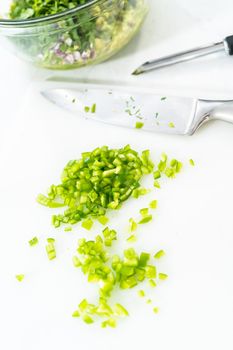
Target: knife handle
(223,112)
(228,43)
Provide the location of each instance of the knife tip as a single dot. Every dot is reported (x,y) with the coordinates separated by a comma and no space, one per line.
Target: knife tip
(137,71)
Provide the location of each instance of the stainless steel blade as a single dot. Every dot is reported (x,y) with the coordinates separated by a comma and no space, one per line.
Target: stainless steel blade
(166,114)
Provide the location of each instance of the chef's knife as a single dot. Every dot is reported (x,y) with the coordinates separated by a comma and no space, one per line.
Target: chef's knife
(138,109)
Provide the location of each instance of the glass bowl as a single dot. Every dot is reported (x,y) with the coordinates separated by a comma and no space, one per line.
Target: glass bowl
(80,36)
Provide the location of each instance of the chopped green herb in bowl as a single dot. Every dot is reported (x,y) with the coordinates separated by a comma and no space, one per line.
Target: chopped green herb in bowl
(63,34)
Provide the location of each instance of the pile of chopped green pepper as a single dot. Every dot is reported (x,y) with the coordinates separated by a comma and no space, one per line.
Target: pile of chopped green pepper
(111,272)
(100,180)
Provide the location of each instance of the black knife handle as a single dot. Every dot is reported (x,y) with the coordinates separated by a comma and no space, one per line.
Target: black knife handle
(229,43)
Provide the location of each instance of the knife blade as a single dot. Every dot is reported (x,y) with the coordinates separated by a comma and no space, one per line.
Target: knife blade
(137,109)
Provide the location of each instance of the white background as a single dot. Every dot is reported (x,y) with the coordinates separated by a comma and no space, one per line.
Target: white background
(193,222)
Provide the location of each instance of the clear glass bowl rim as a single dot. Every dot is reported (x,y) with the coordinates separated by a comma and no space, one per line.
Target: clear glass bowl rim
(41,20)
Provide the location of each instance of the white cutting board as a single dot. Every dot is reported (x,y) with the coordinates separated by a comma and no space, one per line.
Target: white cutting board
(193,224)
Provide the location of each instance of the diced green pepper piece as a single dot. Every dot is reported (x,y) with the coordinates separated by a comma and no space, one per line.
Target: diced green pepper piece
(152,283)
(111,322)
(68,229)
(133,225)
(93,108)
(150,271)
(87,224)
(76,261)
(163,276)
(144,211)
(51,252)
(41,199)
(103,220)
(156,175)
(120,310)
(83,305)
(76,313)
(145,219)
(141,293)
(157,184)
(143,260)
(87,319)
(132,239)
(191,161)
(155,310)
(159,254)
(20,277)
(33,241)
(50,240)
(139,125)
(153,204)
